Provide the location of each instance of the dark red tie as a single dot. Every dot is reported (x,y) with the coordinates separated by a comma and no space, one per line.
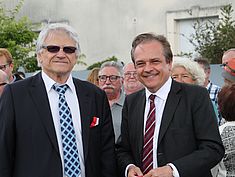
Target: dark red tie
(147,158)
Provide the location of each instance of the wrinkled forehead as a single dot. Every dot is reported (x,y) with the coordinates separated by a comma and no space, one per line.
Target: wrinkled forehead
(129,67)
(52,34)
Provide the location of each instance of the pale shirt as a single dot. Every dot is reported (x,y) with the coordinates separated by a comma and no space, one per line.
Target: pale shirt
(71,98)
(159,101)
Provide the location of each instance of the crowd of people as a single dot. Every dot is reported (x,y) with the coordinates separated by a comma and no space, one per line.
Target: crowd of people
(157,116)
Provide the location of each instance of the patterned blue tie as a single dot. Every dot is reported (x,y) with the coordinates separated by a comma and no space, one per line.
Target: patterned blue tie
(71,159)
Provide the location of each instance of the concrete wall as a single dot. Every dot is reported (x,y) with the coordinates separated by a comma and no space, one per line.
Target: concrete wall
(107,27)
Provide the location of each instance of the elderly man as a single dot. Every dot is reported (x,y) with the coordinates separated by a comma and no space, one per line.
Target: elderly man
(213,89)
(6,64)
(111,81)
(228,61)
(53,125)
(131,82)
(3,81)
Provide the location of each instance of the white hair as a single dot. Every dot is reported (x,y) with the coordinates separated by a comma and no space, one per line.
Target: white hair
(192,67)
(57,27)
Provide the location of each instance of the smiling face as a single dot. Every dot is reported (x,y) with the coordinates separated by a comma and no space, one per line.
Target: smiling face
(151,66)
(180,74)
(131,82)
(57,65)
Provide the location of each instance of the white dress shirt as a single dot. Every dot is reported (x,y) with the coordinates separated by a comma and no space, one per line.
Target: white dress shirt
(160,101)
(71,98)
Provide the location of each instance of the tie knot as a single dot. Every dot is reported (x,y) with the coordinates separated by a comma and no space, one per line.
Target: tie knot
(61,89)
(152,97)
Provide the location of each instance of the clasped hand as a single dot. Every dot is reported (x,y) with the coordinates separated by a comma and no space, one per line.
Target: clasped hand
(165,171)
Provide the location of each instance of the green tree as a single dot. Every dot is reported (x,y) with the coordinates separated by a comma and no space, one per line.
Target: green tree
(98,64)
(212,39)
(18,37)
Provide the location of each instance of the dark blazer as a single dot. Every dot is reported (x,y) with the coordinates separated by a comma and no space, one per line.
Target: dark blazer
(28,143)
(188,136)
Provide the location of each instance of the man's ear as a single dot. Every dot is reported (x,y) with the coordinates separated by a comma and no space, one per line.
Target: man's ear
(39,59)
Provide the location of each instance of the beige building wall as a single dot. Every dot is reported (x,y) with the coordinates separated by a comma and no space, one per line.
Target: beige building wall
(107,27)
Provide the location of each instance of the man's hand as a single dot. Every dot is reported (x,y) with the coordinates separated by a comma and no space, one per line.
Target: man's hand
(134,171)
(165,171)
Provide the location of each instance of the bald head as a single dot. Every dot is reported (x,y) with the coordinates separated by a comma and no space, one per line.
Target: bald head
(228,55)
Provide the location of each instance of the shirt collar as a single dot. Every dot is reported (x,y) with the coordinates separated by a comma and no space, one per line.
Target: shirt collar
(50,82)
(163,92)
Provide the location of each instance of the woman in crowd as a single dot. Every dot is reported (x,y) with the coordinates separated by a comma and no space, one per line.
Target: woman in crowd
(226,101)
(187,71)
(93,76)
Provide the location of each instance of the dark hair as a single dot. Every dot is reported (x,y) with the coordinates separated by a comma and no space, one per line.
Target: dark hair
(204,62)
(226,102)
(148,37)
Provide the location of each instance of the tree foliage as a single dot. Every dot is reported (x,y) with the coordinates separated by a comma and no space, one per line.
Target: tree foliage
(18,37)
(212,39)
(98,64)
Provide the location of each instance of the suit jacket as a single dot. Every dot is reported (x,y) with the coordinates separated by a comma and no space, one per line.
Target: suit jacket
(188,135)
(28,143)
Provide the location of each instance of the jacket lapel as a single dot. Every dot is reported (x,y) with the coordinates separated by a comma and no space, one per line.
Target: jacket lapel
(84,104)
(40,99)
(139,122)
(170,107)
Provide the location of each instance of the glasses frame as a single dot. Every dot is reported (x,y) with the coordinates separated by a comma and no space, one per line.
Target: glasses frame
(2,84)
(112,78)
(56,49)
(4,67)
(130,73)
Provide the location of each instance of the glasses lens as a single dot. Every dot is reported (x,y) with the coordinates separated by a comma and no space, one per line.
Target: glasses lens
(129,74)
(53,48)
(3,67)
(69,49)
(113,78)
(102,78)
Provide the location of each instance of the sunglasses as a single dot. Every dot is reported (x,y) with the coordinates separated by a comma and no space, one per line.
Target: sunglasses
(55,49)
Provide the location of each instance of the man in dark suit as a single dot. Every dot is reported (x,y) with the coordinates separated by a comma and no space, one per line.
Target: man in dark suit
(182,140)
(34,130)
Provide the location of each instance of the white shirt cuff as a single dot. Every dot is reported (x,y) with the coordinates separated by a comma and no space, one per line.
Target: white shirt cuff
(127,168)
(175,171)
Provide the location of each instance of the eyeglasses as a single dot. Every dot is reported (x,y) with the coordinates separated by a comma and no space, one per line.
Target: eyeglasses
(129,74)
(229,65)
(55,49)
(112,78)
(3,67)
(4,83)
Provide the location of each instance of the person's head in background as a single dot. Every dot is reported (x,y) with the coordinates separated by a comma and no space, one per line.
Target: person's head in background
(226,102)
(187,71)
(3,81)
(6,63)
(131,83)
(111,79)
(204,63)
(228,62)
(93,76)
